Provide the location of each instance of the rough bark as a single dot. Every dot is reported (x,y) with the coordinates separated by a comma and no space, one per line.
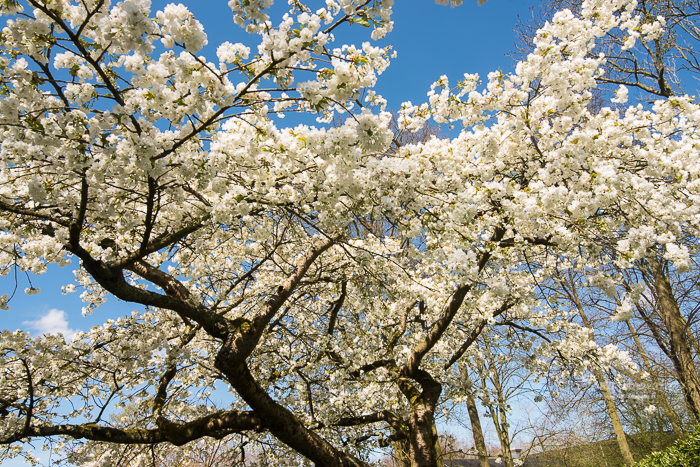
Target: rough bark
(216,425)
(678,338)
(424,449)
(401,453)
(283,424)
(424,446)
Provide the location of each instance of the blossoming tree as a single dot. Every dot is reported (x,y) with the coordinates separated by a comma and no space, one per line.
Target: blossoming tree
(330,281)
(653,296)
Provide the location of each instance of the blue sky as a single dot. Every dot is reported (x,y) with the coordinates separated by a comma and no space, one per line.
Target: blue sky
(431,40)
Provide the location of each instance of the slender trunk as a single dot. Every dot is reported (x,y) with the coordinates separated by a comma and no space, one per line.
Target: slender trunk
(602,382)
(500,418)
(614,417)
(669,351)
(678,337)
(501,423)
(505,439)
(691,338)
(658,390)
(477,432)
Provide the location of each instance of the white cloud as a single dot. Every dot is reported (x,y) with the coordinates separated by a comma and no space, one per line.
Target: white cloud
(53,322)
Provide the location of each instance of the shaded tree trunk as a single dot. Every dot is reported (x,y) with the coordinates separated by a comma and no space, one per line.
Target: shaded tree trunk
(424,445)
(677,329)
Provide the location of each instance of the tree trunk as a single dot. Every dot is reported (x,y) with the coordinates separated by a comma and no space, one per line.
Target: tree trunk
(678,338)
(691,338)
(503,435)
(500,422)
(477,432)
(614,417)
(424,443)
(498,413)
(602,383)
(423,439)
(660,393)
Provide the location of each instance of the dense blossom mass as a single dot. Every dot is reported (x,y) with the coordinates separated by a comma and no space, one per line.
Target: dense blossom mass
(333,278)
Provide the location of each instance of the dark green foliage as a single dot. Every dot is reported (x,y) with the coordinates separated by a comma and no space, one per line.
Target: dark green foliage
(684,453)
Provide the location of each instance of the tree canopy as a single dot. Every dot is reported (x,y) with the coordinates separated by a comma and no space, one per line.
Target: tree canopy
(332,276)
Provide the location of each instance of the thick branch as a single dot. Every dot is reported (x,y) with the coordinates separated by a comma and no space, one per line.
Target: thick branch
(384,363)
(384,416)
(282,423)
(179,299)
(336,308)
(215,425)
(448,314)
(242,342)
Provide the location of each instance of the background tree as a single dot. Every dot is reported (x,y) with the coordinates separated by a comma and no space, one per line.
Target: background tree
(656,296)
